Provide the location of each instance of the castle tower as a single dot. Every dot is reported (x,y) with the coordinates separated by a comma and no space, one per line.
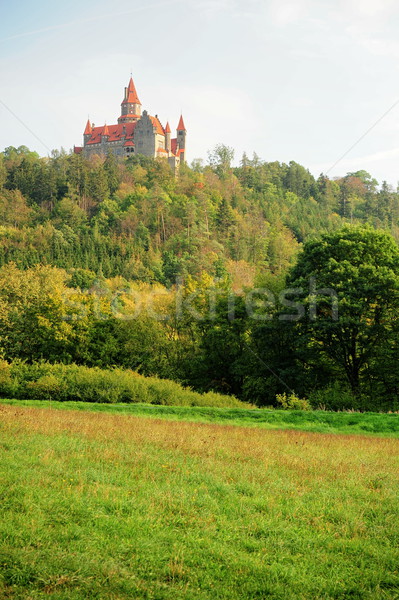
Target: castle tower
(105,135)
(181,138)
(87,132)
(168,143)
(131,105)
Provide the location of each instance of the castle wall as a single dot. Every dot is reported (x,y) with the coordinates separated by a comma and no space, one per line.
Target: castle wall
(174,163)
(104,148)
(159,141)
(144,137)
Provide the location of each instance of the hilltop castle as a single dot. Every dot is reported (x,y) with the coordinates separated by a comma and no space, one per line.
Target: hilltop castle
(135,132)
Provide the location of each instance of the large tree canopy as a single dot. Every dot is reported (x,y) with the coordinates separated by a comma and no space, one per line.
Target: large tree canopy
(357,269)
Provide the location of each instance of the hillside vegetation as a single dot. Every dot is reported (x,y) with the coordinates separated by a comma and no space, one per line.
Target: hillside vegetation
(208,279)
(134,219)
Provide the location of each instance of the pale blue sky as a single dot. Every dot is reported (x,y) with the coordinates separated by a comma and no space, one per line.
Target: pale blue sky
(291,80)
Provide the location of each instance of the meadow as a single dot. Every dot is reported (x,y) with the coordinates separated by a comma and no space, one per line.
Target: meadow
(101,505)
(317,421)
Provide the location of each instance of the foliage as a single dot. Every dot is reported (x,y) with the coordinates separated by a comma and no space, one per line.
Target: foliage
(336,396)
(135,219)
(292,402)
(108,263)
(64,383)
(350,318)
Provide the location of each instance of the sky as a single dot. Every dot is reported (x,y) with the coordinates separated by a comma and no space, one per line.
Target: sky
(314,81)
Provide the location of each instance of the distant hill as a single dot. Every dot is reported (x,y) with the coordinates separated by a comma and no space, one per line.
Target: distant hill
(135,219)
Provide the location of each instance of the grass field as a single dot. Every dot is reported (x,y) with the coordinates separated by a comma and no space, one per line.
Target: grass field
(381,424)
(108,506)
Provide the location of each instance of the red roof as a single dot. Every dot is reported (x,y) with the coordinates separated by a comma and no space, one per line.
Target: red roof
(167,128)
(129,143)
(129,116)
(115,132)
(131,96)
(105,130)
(77,149)
(181,125)
(88,128)
(157,124)
(175,151)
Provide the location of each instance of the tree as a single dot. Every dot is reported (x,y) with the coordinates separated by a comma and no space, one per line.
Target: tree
(224,216)
(220,158)
(3,172)
(357,269)
(34,322)
(222,359)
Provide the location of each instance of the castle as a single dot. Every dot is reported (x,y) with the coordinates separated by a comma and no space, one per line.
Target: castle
(135,132)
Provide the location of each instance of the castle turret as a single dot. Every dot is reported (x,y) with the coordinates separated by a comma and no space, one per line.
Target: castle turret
(168,144)
(181,138)
(131,105)
(87,132)
(105,134)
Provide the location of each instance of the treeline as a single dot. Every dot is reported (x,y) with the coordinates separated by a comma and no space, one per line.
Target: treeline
(253,281)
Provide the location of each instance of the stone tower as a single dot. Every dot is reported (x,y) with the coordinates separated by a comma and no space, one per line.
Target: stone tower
(181,138)
(87,132)
(131,105)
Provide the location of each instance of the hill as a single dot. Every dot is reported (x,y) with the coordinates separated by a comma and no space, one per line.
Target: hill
(120,264)
(136,220)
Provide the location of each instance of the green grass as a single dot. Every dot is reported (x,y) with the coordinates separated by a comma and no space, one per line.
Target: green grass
(380,424)
(106,506)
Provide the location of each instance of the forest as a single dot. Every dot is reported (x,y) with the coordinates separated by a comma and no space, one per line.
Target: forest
(256,281)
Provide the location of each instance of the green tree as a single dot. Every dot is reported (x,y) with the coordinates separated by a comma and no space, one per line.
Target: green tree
(357,269)
(3,172)
(33,315)
(220,159)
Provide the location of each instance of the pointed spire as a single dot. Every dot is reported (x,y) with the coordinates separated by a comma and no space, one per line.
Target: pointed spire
(131,96)
(89,129)
(181,125)
(105,131)
(167,128)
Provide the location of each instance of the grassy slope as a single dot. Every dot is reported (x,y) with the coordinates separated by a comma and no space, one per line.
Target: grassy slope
(101,506)
(317,421)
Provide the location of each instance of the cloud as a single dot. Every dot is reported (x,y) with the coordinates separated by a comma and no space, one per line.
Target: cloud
(360,162)
(285,13)
(375,46)
(368,9)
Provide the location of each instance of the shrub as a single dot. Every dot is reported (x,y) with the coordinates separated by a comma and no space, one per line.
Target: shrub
(292,402)
(7,384)
(46,387)
(334,397)
(45,381)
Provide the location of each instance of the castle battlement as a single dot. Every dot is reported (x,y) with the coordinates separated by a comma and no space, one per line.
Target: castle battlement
(136,132)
